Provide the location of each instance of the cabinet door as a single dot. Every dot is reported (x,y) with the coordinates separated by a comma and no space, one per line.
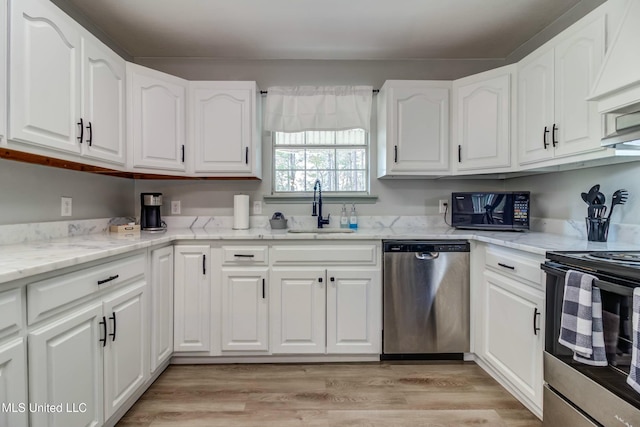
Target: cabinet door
(577,62)
(13,384)
(127,351)
(192,299)
(354,307)
(298,310)
(3,73)
(510,343)
(161,305)
(418,121)
(103,86)
(483,122)
(223,116)
(45,80)
(245,325)
(65,366)
(535,109)
(156,118)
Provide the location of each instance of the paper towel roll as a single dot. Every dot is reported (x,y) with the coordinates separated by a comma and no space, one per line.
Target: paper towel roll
(240,212)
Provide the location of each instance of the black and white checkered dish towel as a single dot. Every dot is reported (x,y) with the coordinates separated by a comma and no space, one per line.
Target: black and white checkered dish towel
(581,327)
(634,372)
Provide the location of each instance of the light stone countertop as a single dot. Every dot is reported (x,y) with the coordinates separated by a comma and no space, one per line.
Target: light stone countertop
(19,261)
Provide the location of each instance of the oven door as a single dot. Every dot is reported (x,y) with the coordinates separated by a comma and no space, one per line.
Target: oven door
(601,394)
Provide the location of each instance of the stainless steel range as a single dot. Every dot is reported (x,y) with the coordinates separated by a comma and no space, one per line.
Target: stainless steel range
(577,394)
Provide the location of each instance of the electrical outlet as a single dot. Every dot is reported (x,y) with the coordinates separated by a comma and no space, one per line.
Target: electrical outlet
(66,206)
(175,207)
(442,205)
(257,207)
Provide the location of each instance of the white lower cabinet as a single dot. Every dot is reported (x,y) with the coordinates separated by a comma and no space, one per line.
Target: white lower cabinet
(298,310)
(334,311)
(245,304)
(192,299)
(13,384)
(509,320)
(65,367)
(354,310)
(161,291)
(90,361)
(126,352)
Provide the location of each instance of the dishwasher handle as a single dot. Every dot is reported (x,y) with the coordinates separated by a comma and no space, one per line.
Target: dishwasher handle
(427,255)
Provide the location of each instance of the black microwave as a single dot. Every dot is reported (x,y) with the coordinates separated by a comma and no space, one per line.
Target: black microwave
(495,210)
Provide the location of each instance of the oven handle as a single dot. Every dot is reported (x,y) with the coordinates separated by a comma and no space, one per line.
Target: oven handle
(625,291)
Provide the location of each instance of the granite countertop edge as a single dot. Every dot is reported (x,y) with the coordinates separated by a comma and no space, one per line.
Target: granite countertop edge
(21,261)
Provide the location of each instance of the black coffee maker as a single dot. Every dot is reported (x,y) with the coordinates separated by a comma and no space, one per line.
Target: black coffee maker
(150,219)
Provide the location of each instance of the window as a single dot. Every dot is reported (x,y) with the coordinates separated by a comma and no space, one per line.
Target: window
(339,159)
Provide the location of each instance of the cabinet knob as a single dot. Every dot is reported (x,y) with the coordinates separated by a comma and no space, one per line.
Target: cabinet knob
(320,279)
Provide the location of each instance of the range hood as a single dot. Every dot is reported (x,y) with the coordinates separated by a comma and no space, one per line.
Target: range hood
(627,132)
(617,86)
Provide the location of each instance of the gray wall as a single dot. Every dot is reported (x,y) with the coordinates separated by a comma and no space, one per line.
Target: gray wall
(31,193)
(557,195)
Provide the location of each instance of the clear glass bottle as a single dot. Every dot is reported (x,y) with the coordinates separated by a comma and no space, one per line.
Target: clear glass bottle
(344,219)
(353,218)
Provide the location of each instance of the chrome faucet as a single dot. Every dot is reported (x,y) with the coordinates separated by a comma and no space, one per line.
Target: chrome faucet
(318,203)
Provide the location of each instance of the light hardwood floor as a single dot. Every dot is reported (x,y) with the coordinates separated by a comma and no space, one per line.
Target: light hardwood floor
(385,394)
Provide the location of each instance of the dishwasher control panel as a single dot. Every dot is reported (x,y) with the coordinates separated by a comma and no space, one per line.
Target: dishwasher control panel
(426,246)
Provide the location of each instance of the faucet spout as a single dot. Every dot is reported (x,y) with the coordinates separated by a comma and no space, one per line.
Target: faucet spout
(317,186)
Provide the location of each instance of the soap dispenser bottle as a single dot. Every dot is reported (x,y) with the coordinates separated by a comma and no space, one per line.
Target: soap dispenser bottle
(344,219)
(353,218)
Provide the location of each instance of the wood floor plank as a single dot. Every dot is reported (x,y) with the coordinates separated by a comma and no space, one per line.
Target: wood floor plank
(402,394)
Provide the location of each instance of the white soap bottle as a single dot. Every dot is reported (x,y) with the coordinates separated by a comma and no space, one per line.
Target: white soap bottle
(344,219)
(353,218)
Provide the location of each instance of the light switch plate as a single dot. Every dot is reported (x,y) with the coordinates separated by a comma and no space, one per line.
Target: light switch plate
(175,207)
(66,206)
(257,207)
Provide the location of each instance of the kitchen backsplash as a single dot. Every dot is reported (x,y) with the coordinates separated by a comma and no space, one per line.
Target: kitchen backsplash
(38,231)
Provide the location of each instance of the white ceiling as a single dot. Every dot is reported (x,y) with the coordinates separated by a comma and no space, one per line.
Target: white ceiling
(322,29)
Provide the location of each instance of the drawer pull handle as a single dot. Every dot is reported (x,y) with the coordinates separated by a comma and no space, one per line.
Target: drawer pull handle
(536,313)
(243,255)
(320,279)
(104,329)
(113,335)
(109,279)
(510,267)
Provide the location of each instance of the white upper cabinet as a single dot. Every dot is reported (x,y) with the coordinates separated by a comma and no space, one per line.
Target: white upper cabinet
(45,90)
(483,121)
(3,72)
(103,102)
(413,128)
(67,88)
(555,119)
(225,128)
(156,119)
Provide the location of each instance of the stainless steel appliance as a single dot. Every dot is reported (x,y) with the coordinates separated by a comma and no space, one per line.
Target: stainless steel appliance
(150,218)
(496,210)
(425,299)
(576,394)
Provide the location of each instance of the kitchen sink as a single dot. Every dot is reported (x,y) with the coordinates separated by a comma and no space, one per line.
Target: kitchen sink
(321,230)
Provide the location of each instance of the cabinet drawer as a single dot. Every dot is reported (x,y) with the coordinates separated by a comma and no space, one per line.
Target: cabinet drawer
(10,312)
(312,255)
(244,255)
(49,296)
(516,264)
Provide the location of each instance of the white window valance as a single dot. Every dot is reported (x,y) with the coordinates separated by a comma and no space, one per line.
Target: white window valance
(306,108)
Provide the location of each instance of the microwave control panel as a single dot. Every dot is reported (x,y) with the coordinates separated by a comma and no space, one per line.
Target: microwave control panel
(521,210)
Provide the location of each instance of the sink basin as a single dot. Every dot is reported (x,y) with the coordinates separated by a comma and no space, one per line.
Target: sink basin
(321,230)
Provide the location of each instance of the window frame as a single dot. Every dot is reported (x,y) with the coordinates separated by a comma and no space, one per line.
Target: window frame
(328,193)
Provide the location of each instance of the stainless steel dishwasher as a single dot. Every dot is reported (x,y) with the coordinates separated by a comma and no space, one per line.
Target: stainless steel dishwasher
(425,299)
